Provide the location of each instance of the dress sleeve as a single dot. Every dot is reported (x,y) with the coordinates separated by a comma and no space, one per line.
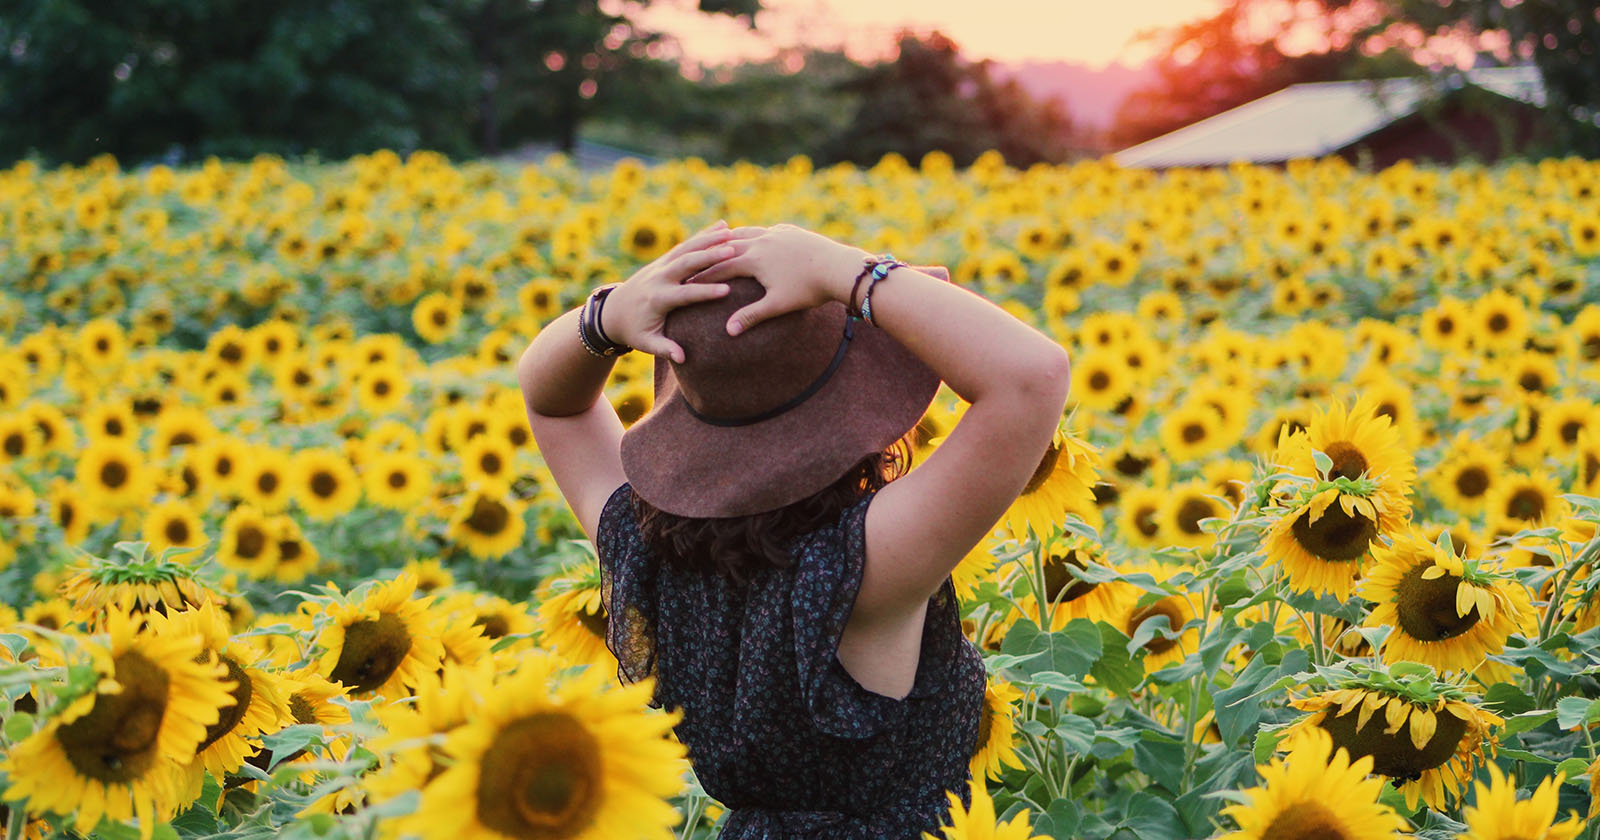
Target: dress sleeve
(627,586)
(827,576)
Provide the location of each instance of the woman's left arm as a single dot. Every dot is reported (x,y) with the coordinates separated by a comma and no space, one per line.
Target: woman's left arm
(575,428)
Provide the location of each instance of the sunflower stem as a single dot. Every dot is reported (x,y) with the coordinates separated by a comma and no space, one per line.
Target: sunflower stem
(1046,611)
(18,820)
(692,819)
(1316,633)
(1553,609)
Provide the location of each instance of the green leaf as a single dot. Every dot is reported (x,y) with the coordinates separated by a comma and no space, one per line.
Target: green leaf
(1573,768)
(14,643)
(1161,759)
(18,726)
(1072,650)
(1507,700)
(1076,733)
(1323,462)
(1150,816)
(1116,669)
(1524,755)
(1572,711)
(1266,743)
(1059,820)
(292,739)
(1528,721)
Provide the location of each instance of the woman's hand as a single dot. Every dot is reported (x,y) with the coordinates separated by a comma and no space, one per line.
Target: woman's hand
(636,311)
(798,268)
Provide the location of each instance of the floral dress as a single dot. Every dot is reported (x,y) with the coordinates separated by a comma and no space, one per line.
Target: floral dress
(777,730)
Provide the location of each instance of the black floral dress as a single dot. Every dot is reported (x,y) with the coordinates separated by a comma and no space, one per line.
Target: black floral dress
(777,730)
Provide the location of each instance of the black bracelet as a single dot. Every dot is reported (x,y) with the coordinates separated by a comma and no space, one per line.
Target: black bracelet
(590,332)
(850,307)
(880,269)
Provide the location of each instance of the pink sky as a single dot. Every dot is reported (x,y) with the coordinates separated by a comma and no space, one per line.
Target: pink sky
(1095,32)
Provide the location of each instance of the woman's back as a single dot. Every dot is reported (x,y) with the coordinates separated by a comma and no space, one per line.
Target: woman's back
(777,729)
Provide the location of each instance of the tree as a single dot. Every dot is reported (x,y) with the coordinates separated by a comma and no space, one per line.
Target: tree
(929,98)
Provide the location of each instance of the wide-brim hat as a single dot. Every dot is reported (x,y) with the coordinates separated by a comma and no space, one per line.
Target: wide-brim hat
(750,423)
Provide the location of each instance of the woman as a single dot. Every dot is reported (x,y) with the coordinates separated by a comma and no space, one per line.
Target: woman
(759,555)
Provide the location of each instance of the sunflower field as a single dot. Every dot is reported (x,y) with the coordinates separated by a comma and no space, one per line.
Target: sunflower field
(1312,556)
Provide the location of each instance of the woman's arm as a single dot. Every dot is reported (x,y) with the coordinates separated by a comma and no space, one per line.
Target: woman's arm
(1015,377)
(576,430)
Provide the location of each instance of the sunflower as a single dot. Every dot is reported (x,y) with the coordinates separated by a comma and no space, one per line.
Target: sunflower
(141,584)
(247,543)
(412,733)
(19,439)
(1428,746)
(112,751)
(102,344)
(69,511)
(222,461)
(1073,597)
(560,757)
(1323,547)
(997,738)
(436,317)
(572,617)
(1445,611)
(488,524)
(296,556)
(1139,520)
(324,483)
(1524,500)
(396,480)
(383,644)
(173,523)
(432,575)
(1463,479)
(382,388)
(1100,379)
(488,463)
(1358,442)
(978,822)
(255,706)
(1059,485)
(1190,431)
(1500,321)
(540,299)
(114,474)
(1317,791)
(1174,642)
(264,480)
(1497,815)
(1186,504)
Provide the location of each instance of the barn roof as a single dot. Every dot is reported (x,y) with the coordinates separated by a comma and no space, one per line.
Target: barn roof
(1316,119)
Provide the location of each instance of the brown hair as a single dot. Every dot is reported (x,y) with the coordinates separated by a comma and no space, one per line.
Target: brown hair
(740,546)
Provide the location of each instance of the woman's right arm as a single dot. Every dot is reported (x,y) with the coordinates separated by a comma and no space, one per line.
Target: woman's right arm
(920,526)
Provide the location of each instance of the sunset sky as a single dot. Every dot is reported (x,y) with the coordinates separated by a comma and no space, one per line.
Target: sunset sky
(1094,32)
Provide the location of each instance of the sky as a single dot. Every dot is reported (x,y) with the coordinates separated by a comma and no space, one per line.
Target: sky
(1093,32)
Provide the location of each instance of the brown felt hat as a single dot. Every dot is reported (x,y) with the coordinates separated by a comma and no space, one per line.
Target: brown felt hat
(750,423)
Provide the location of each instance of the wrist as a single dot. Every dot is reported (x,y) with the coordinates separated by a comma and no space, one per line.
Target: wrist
(842,271)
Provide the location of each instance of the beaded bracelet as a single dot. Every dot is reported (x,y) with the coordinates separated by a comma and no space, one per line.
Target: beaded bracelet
(880,269)
(590,332)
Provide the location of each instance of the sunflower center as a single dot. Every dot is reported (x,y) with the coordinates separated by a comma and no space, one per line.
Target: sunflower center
(644,238)
(267,482)
(488,516)
(1193,433)
(1348,462)
(372,651)
(1526,504)
(1131,466)
(176,532)
(1145,520)
(1059,583)
(324,485)
(249,542)
(114,474)
(1427,608)
(1472,482)
(594,622)
(540,778)
(1175,619)
(490,463)
(1337,536)
(1099,380)
(1192,511)
(14,444)
(1304,821)
(1041,473)
(494,626)
(288,551)
(1395,755)
(115,742)
(301,709)
(1498,322)
(229,715)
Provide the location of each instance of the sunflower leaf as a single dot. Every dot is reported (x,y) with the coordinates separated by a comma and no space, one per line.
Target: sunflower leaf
(1572,711)
(1323,462)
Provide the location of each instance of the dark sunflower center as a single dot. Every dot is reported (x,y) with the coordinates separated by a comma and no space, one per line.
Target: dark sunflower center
(1175,619)
(1193,433)
(489,517)
(1395,755)
(114,474)
(267,482)
(644,238)
(381,388)
(1526,504)
(324,484)
(1145,521)
(181,439)
(224,466)
(440,317)
(494,626)
(1041,473)
(289,551)
(249,542)
(1472,482)
(1059,582)
(594,622)
(301,709)
(1337,536)
(1305,821)
(1099,380)
(1570,430)
(1427,608)
(176,531)
(540,778)
(1499,322)
(490,463)
(986,721)
(115,742)
(630,409)
(231,714)
(14,444)
(1131,466)
(1192,511)
(372,651)
(397,479)
(1348,462)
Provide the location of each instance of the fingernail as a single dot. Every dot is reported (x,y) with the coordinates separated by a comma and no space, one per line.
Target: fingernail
(733,328)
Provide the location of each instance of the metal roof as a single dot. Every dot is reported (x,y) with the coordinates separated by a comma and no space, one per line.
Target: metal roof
(1315,119)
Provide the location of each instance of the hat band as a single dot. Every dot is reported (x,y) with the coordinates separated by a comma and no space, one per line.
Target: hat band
(814,387)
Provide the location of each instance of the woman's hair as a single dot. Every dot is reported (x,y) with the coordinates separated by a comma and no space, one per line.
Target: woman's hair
(740,546)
